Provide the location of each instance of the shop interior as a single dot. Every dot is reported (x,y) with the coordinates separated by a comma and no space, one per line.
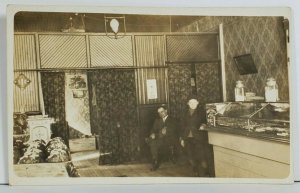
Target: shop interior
(88,85)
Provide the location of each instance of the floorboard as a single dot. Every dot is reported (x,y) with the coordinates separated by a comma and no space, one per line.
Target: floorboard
(90,168)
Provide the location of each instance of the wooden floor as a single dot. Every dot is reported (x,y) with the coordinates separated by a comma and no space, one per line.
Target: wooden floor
(87,166)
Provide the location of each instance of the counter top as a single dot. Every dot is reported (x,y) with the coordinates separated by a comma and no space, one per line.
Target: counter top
(252,134)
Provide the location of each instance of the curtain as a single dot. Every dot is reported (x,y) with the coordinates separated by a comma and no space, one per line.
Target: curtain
(180,88)
(113,107)
(208,81)
(208,85)
(53,88)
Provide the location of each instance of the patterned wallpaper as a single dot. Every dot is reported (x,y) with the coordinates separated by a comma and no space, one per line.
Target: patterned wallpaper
(77,109)
(208,77)
(264,38)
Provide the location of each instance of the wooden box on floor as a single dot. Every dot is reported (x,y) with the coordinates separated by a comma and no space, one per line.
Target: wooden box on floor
(82,144)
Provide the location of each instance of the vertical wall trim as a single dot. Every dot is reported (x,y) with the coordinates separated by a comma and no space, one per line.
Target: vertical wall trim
(42,105)
(39,82)
(288,59)
(222,62)
(166,71)
(134,59)
(37,49)
(87,44)
(136,78)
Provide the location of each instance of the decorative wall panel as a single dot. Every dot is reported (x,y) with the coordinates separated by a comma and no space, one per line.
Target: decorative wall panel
(53,88)
(24,52)
(185,48)
(108,52)
(63,51)
(264,38)
(114,113)
(77,106)
(180,88)
(26,99)
(208,82)
(208,24)
(150,50)
(159,74)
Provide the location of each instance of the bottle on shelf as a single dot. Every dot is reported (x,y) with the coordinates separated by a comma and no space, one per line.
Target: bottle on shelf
(239,91)
(271,90)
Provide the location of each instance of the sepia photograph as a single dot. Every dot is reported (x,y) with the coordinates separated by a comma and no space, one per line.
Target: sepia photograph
(171,97)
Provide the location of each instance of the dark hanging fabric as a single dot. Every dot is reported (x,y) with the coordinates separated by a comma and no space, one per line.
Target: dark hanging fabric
(206,88)
(180,89)
(53,88)
(114,113)
(208,81)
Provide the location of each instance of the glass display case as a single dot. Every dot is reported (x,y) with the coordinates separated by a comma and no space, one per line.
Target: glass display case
(267,120)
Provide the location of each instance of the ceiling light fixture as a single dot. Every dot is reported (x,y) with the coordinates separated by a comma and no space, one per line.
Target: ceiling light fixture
(117,27)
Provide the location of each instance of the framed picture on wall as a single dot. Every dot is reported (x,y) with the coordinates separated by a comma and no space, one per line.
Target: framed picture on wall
(245,64)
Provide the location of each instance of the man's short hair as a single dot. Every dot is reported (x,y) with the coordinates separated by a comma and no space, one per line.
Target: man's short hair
(162,106)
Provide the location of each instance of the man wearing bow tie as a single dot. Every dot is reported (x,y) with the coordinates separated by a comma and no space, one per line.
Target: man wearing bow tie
(163,137)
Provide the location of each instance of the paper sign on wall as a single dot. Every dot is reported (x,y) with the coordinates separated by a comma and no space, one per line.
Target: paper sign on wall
(151,89)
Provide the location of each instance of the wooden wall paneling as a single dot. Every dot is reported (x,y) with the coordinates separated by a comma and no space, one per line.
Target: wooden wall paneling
(152,73)
(25,58)
(27,99)
(150,50)
(63,51)
(192,48)
(239,156)
(38,52)
(24,52)
(150,53)
(232,164)
(107,52)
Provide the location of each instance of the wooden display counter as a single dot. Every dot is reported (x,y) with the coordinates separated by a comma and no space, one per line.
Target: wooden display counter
(250,139)
(240,155)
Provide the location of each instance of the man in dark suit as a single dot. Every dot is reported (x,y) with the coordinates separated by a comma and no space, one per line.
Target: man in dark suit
(163,137)
(194,139)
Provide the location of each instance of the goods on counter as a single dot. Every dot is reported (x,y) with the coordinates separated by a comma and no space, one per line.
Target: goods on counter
(267,129)
(265,119)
